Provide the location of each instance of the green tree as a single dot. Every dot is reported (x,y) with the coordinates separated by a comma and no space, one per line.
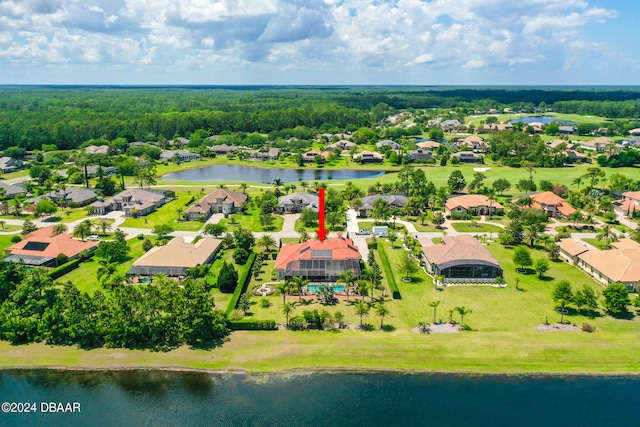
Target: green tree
(308,217)
(607,234)
(587,298)
(147,244)
(616,298)
(462,312)
(82,230)
(162,230)
(456,182)
(381,311)
(287,309)
(227,279)
(407,264)
(362,310)
(284,288)
(348,279)
(501,185)
(522,257)
(266,220)
(541,266)
(113,251)
(59,229)
(298,283)
(392,237)
(104,226)
(562,291)
(435,305)
(215,230)
(267,243)
(45,207)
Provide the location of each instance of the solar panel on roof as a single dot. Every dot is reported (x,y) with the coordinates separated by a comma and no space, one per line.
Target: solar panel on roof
(36,246)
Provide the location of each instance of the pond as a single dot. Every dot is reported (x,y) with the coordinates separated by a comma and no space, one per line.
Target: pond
(545,120)
(258,174)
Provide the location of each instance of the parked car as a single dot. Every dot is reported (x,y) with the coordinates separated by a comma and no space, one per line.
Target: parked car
(363,232)
(93,238)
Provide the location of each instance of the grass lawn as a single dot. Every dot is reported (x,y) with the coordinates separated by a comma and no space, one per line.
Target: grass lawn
(599,244)
(5,241)
(221,300)
(251,220)
(470,227)
(8,228)
(85,277)
(168,214)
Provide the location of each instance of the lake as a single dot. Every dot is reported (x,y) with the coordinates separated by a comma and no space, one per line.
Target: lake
(157,398)
(545,120)
(266,175)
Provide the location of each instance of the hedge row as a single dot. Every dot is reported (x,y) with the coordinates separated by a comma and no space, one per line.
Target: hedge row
(391,280)
(63,269)
(243,281)
(252,325)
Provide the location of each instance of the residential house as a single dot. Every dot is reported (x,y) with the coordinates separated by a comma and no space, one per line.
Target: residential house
(219,201)
(294,203)
(421,154)
(558,144)
(41,248)
(570,250)
(567,130)
(427,144)
(461,258)
(134,202)
(468,157)
(176,257)
(628,205)
(318,261)
(92,170)
(223,149)
(394,200)
(548,202)
(9,164)
(72,197)
(97,149)
(310,156)
(474,143)
(343,144)
(450,124)
(598,144)
(270,154)
(179,155)
(620,264)
(180,141)
(368,157)
(10,191)
(388,143)
(479,203)
(634,132)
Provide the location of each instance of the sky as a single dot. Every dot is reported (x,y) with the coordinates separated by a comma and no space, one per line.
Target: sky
(319,42)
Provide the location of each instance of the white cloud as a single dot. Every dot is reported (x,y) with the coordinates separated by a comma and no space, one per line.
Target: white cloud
(303,36)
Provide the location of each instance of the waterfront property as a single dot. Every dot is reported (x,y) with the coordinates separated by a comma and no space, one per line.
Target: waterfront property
(548,202)
(621,264)
(394,200)
(41,248)
(294,203)
(134,202)
(478,203)
(178,155)
(318,261)
(368,157)
(219,201)
(461,258)
(174,258)
(421,154)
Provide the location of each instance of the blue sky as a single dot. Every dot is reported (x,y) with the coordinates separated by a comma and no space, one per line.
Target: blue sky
(424,42)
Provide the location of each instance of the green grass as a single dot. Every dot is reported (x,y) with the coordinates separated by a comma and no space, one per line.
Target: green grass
(5,241)
(598,244)
(9,228)
(470,227)
(251,220)
(85,277)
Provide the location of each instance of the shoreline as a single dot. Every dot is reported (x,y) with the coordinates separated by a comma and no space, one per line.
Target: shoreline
(321,370)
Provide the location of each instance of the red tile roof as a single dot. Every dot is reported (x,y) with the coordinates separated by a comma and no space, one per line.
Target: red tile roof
(53,245)
(341,249)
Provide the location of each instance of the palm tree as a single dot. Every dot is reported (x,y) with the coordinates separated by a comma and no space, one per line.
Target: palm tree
(104,226)
(277,182)
(363,287)
(82,230)
(267,242)
(607,234)
(545,239)
(531,233)
(304,186)
(435,305)
(283,288)
(347,278)
(243,187)
(491,196)
(462,311)
(304,234)
(382,311)
(287,309)
(59,229)
(369,274)
(362,310)
(106,270)
(298,283)
(575,217)
(451,314)
(577,181)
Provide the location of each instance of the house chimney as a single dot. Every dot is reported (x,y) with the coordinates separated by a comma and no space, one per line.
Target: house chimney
(340,235)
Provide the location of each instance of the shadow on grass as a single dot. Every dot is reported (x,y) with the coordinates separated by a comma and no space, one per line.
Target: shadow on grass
(625,315)
(545,278)
(388,328)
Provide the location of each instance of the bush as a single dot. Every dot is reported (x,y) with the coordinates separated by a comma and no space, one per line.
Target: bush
(372,245)
(140,236)
(389,273)
(64,269)
(240,256)
(16,239)
(242,283)
(252,325)
(588,327)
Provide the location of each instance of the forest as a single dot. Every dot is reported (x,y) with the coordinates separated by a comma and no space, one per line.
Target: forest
(69,116)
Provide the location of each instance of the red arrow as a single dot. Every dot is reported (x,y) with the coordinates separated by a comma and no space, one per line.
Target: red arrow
(321,232)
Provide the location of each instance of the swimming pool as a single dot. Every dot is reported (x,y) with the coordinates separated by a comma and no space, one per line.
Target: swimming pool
(336,288)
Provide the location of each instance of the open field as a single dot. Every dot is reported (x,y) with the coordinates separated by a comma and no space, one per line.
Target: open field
(168,214)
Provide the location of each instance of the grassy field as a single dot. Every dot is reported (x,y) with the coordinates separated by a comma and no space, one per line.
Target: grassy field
(251,221)
(5,241)
(471,227)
